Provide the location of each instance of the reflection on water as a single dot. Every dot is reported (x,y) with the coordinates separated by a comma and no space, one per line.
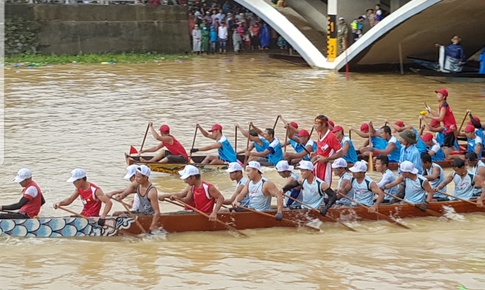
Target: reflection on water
(65,117)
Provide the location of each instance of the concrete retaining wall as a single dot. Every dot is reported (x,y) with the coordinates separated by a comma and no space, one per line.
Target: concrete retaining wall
(71,29)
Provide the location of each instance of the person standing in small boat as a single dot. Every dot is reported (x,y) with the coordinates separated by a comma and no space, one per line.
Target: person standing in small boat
(477,168)
(273,154)
(174,153)
(31,201)
(463,179)
(364,187)
(202,195)
(445,115)
(417,187)
(454,55)
(286,171)
(91,196)
(223,146)
(348,149)
(434,174)
(260,191)
(235,171)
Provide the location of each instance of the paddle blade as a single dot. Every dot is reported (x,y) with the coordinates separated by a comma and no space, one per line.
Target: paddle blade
(133,150)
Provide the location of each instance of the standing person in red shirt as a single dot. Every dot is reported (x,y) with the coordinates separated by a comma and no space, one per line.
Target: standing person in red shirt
(174,153)
(328,149)
(91,196)
(202,195)
(446,116)
(31,200)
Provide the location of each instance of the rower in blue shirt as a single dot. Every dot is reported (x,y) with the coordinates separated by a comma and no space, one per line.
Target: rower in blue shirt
(223,146)
(433,147)
(350,155)
(273,154)
(303,146)
(474,143)
(258,143)
(393,148)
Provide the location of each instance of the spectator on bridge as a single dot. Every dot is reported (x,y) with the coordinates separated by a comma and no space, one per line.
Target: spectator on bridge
(342,35)
(223,34)
(226,7)
(454,55)
(213,40)
(379,14)
(205,37)
(236,41)
(481,59)
(371,16)
(197,39)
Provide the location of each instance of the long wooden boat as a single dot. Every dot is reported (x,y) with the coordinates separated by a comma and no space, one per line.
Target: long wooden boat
(187,221)
(431,69)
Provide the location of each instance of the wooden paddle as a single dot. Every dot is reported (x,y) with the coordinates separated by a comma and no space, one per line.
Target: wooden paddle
(429,211)
(286,139)
(311,132)
(193,141)
(272,216)
(276,122)
(350,134)
(314,209)
(182,204)
(246,156)
(371,157)
(235,138)
(459,198)
(378,213)
(94,221)
(127,207)
(144,138)
(463,121)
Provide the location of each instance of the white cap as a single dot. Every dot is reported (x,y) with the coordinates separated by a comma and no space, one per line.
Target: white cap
(255,165)
(22,175)
(130,171)
(77,174)
(340,18)
(284,166)
(408,166)
(144,170)
(359,166)
(189,170)
(339,163)
(306,165)
(233,167)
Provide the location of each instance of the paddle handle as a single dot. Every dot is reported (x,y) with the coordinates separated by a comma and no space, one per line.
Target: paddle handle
(463,121)
(276,122)
(311,132)
(286,139)
(235,138)
(272,216)
(127,207)
(429,211)
(193,141)
(144,138)
(459,198)
(246,157)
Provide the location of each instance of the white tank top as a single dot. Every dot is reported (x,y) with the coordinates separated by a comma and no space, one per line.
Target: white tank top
(257,200)
(312,193)
(343,200)
(362,192)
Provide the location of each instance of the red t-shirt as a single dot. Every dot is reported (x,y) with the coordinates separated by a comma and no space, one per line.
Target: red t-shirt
(449,119)
(92,205)
(176,148)
(32,208)
(328,145)
(202,199)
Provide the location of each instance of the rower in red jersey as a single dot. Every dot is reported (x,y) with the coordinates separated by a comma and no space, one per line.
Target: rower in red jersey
(91,196)
(31,201)
(328,149)
(174,151)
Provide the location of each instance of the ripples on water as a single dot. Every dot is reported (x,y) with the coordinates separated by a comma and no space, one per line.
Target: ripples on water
(64,117)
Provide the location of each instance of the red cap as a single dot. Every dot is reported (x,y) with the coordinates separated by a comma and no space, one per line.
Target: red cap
(469,129)
(303,133)
(165,129)
(427,137)
(476,119)
(331,123)
(337,129)
(434,123)
(216,127)
(294,125)
(444,92)
(364,128)
(399,123)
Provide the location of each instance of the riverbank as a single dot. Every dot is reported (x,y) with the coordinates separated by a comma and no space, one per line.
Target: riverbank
(35,60)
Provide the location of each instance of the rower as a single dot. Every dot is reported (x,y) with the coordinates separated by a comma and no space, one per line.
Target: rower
(31,201)
(286,171)
(174,152)
(260,190)
(434,174)
(393,148)
(475,121)
(235,171)
(477,168)
(475,143)
(91,196)
(273,154)
(445,115)
(223,146)
(409,151)
(258,143)
(344,187)
(328,149)
(201,194)
(292,129)
(417,187)
(464,180)
(303,145)
(400,127)
(147,195)
(314,189)
(117,194)
(433,148)
(364,187)
(375,138)
(348,149)
(382,166)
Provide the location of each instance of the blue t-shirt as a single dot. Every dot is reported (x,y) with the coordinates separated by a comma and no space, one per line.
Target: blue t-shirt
(226,151)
